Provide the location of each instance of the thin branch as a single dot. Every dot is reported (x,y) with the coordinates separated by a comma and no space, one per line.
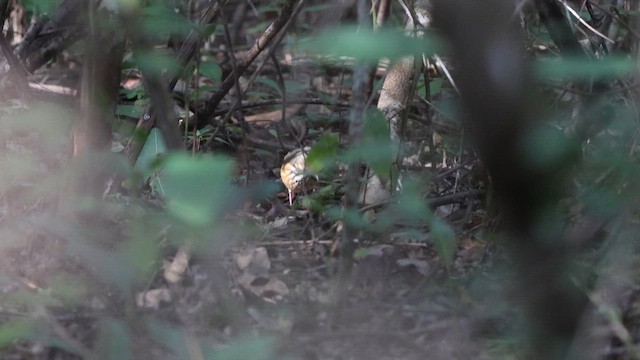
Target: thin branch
(245,61)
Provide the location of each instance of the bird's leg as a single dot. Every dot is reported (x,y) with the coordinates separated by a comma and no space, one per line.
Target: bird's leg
(290,197)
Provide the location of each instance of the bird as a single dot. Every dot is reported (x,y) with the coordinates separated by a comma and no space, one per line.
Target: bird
(292,171)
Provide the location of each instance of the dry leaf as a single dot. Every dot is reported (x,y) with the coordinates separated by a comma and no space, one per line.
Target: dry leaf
(174,271)
(265,287)
(152,299)
(254,261)
(276,115)
(420,265)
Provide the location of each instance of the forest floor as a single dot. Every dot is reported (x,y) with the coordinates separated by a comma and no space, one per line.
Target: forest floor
(276,284)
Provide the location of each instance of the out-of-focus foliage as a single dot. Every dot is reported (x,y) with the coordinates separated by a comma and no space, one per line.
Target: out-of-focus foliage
(196,189)
(365,44)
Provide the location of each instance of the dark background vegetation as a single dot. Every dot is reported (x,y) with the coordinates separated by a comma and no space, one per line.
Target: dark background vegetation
(471,189)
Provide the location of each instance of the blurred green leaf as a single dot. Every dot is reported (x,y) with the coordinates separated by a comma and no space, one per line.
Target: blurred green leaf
(319,199)
(197,189)
(15,170)
(585,69)
(323,153)
(211,70)
(209,29)
(40,7)
(444,239)
(160,22)
(15,330)
(295,86)
(68,289)
(365,44)
(258,94)
(142,250)
(112,267)
(153,147)
(269,83)
(130,110)
(603,203)
(156,62)
(545,148)
(411,207)
(132,94)
(377,144)
(351,217)
(318,8)
(114,340)
(170,336)
(254,348)
(49,121)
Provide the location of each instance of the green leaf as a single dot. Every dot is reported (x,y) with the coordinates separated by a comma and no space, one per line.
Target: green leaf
(443,238)
(211,70)
(154,61)
(376,147)
(40,6)
(160,21)
(169,336)
(15,330)
(114,341)
(197,189)
(412,208)
(295,86)
(367,45)
(210,29)
(269,83)
(142,250)
(436,85)
(323,152)
(585,69)
(153,147)
(258,94)
(252,348)
(130,110)
(545,148)
(604,203)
